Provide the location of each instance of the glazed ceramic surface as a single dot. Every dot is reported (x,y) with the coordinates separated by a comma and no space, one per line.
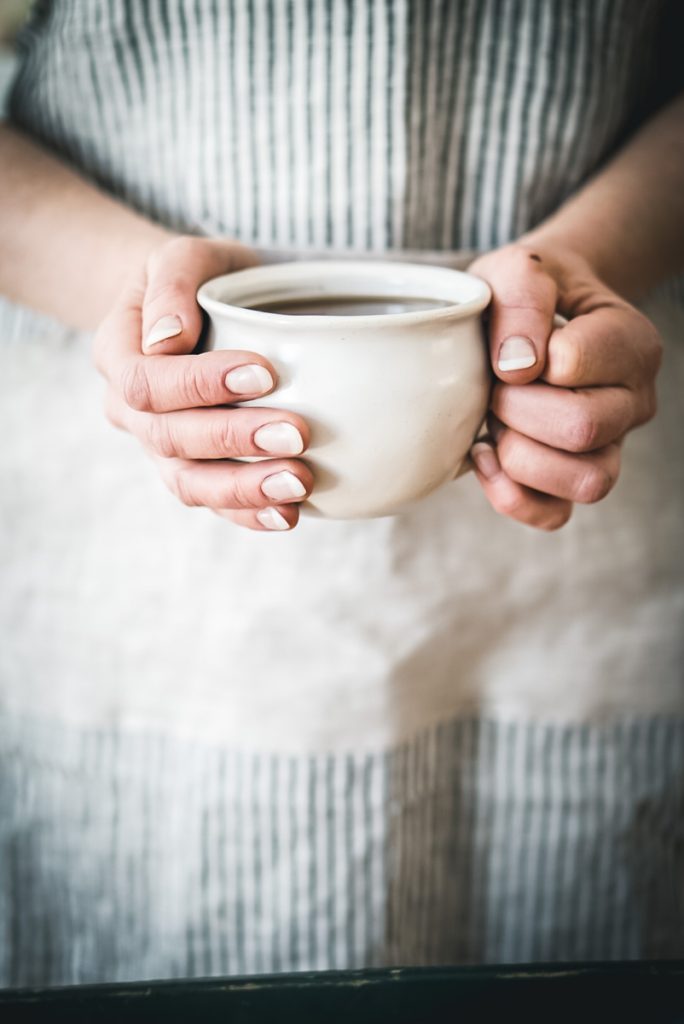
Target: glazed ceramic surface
(393,400)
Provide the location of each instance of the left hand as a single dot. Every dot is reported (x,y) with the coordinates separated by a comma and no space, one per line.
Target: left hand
(565,397)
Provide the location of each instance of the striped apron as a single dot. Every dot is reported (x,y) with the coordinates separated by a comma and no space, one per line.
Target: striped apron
(438,738)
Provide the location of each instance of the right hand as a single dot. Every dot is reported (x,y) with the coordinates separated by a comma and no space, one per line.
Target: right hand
(181,406)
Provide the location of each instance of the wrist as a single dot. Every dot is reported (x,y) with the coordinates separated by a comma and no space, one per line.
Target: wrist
(610,242)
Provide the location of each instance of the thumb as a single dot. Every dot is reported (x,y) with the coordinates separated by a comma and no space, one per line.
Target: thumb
(171,318)
(521,314)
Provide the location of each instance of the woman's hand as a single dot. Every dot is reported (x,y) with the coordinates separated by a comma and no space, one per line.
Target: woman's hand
(181,406)
(565,397)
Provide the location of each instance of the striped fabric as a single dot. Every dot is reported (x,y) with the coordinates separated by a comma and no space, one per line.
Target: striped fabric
(478,841)
(330,123)
(372,124)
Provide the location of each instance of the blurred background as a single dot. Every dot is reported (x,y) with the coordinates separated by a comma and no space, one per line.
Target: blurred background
(12,14)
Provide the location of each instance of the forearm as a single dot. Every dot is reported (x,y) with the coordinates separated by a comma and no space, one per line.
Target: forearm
(628,221)
(65,247)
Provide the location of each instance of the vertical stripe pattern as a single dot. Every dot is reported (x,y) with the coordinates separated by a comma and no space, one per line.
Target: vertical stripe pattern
(368,125)
(361,124)
(478,841)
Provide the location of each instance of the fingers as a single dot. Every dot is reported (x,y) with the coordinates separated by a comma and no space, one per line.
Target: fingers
(612,345)
(521,314)
(277,519)
(236,486)
(160,310)
(602,367)
(586,384)
(573,420)
(171,318)
(166,402)
(212,433)
(157,384)
(583,478)
(514,500)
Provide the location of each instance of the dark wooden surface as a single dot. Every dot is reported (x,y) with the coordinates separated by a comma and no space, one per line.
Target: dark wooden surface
(647,991)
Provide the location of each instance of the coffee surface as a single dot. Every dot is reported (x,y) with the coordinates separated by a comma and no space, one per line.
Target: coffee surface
(350,305)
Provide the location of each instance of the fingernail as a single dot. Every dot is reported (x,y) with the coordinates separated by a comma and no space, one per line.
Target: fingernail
(166,327)
(279,439)
(249,380)
(272,519)
(517,353)
(485,458)
(283,486)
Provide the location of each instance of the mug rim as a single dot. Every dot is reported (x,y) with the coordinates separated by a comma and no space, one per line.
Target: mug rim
(292,272)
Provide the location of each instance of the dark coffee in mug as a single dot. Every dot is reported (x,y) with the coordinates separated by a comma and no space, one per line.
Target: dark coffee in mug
(349,305)
(393,401)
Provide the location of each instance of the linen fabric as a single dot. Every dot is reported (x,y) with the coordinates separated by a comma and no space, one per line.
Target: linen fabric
(439,737)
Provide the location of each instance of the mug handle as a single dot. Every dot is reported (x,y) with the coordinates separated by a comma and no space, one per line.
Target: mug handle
(467,464)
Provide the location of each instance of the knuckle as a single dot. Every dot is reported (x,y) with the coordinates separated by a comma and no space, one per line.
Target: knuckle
(160,436)
(653,349)
(186,248)
(181,485)
(511,454)
(135,386)
(593,485)
(240,493)
(649,349)
(582,431)
(649,406)
(169,292)
(197,385)
(522,300)
(645,406)
(225,436)
(172,273)
(178,252)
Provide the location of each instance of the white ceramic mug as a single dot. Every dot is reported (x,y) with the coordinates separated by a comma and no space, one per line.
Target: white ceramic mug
(393,400)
